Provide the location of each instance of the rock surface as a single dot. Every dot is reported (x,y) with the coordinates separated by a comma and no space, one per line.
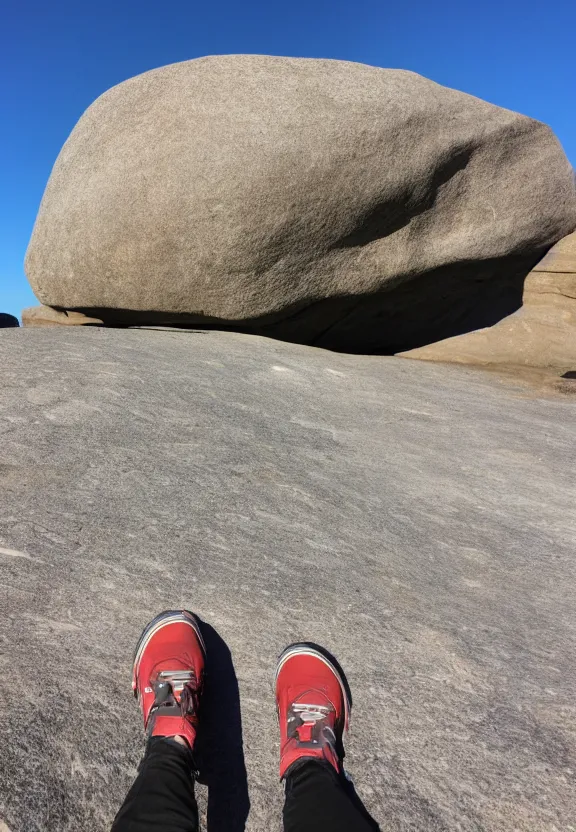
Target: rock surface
(318,201)
(541,334)
(417,519)
(7,320)
(46,316)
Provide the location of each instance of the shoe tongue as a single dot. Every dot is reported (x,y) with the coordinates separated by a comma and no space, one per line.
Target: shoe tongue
(310,712)
(305,731)
(171,682)
(162,692)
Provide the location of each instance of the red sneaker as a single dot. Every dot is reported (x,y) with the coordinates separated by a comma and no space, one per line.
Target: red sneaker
(314,704)
(168,675)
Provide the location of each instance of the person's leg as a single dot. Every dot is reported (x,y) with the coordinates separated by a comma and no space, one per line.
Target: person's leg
(314,704)
(167,680)
(162,796)
(317,798)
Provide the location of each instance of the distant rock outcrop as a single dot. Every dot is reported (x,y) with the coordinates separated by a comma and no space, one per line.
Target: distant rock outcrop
(46,316)
(541,334)
(8,320)
(317,201)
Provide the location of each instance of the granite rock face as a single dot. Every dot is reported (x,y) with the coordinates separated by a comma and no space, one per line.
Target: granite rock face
(416,519)
(541,334)
(46,316)
(318,201)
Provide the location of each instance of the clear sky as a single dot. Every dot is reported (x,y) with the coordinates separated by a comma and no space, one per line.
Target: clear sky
(57,57)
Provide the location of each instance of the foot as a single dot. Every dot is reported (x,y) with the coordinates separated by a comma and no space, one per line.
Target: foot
(314,706)
(168,675)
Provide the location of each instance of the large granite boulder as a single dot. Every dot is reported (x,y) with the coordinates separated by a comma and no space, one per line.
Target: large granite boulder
(319,201)
(541,334)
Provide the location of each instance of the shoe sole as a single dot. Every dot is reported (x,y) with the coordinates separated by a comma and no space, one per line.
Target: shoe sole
(307,648)
(162,620)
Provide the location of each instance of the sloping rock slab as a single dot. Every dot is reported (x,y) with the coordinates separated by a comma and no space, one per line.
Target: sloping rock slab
(417,519)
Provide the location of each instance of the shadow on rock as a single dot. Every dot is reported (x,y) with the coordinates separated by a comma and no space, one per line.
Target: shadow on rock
(449,301)
(219,751)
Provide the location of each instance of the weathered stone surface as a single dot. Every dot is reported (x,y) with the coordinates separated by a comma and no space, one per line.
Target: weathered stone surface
(7,320)
(46,316)
(318,201)
(561,258)
(417,519)
(541,334)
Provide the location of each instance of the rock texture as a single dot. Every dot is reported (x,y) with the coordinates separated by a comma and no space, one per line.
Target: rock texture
(318,201)
(7,320)
(46,316)
(541,334)
(417,519)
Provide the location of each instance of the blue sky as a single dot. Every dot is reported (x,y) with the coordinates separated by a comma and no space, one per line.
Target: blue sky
(57,57)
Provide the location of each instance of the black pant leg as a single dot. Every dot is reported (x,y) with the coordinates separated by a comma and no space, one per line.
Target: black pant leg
(162,796)
(319,800)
